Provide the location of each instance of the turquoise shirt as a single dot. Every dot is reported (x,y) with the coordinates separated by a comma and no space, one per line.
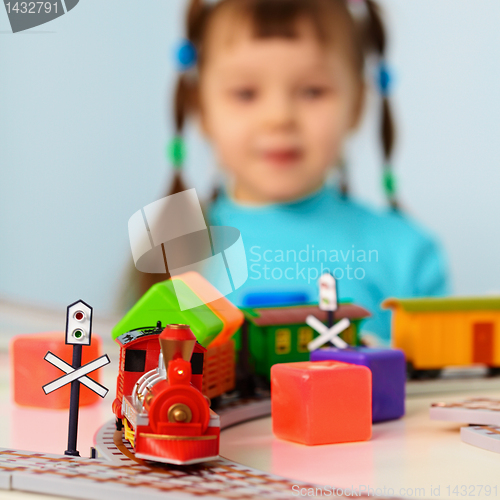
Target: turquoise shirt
(373,254)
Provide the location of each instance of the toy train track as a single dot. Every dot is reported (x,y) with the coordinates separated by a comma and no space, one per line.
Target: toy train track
(95,479)
(113,475)
(121,475)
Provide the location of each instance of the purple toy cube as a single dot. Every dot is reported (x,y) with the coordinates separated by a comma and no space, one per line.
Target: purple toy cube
(388,367)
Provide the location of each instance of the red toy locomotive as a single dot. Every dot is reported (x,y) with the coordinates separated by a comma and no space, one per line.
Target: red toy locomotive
(159,400)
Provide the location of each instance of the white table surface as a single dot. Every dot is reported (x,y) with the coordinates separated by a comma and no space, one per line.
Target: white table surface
(413,452)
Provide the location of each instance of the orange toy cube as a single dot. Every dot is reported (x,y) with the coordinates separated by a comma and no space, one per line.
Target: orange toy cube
(321,402)
(231,317)
(30,371)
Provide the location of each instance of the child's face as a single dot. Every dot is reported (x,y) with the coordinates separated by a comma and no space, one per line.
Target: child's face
(277,112)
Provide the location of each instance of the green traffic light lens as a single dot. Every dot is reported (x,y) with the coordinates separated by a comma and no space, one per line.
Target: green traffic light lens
(78,334)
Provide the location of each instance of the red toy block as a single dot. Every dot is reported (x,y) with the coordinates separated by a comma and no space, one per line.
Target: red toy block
(30,371)
(321,402)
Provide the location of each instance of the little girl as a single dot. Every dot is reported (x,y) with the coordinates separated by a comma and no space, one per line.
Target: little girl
(277,87)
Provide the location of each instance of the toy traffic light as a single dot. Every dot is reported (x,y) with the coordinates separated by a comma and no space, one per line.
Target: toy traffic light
(79,323)
(328,292)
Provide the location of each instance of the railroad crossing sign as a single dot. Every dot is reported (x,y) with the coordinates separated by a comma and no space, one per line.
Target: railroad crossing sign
(78,334)
(79,374)
(327,334)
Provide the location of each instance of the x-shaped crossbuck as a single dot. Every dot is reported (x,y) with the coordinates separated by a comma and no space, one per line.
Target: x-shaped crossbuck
(79,374)
(327,334)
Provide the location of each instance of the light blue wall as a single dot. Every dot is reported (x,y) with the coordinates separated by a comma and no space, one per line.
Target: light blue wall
(85,114)
(446,55)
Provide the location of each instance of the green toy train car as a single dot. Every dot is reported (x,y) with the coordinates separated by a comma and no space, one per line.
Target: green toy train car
(273,335)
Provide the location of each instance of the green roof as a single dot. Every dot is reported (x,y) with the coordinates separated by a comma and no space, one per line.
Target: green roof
(160,303)
(436,304)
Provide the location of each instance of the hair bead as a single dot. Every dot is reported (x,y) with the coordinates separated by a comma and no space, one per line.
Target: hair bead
(176,152)
(185,55)
(384,79)
(389,181)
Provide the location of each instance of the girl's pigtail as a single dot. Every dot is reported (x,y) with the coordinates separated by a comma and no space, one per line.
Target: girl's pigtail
(186,58)
(177,148)
(196,18)
(196,13)
(388,138)
(176,155)
(343,179)
(376,41)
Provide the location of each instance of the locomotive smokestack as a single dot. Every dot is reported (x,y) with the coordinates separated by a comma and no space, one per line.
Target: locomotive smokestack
(177,341)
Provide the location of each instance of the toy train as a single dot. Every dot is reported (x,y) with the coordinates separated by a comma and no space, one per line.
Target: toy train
(167,375)
(162,399)
(159,400)
(263,336)
(438,332)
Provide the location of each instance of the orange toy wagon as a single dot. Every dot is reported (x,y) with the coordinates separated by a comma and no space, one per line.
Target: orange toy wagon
(446,331)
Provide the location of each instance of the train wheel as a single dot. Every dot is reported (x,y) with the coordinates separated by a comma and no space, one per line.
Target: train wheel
(426,374)
(246,386)
(215,402)
(414,374)
(493,371)
(433,374)
(119,424)
(410,371)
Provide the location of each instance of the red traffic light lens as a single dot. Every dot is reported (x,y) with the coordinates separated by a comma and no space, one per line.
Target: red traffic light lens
(79,315)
